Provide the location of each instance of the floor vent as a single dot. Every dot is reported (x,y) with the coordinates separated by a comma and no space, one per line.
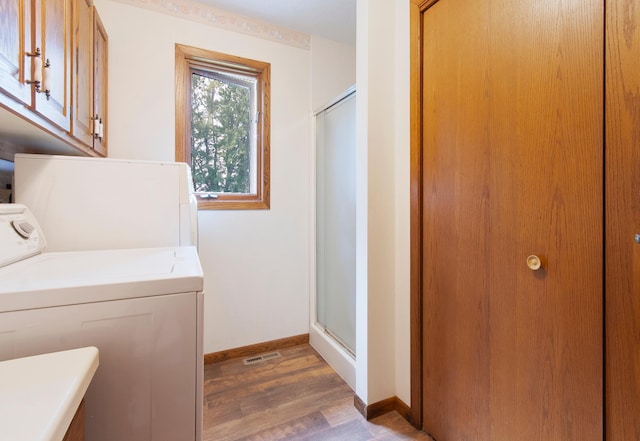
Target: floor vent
(263,357)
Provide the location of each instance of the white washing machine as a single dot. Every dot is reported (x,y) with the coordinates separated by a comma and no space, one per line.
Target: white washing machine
(142,308)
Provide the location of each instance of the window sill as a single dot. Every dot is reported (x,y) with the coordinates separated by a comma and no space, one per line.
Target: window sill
(217,204)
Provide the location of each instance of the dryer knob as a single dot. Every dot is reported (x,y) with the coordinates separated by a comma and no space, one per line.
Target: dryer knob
(23,228)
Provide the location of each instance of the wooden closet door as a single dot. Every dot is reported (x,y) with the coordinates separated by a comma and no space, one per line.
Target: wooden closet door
(512,167)
(623,221)
(456,221)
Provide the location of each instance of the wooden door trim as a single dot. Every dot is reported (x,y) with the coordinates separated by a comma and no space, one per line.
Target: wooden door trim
(417,7)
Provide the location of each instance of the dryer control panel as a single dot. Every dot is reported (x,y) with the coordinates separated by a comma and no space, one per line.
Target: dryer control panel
(20,234)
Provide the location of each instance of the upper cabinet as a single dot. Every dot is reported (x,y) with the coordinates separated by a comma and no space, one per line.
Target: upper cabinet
(90,72)
(15,68)
(52,22)
(53,61)
(100,45)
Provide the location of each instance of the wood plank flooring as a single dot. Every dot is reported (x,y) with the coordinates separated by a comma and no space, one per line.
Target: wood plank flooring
(297,396)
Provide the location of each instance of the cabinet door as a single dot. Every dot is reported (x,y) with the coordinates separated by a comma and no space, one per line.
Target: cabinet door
(15,67)
(82,127)
(100,65)
(53,37)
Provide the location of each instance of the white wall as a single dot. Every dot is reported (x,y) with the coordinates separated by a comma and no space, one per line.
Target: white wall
(333,70)
(383,279)
(256,263)
(375,141)
(402,204)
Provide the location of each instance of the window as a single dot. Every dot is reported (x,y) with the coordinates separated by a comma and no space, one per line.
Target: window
(222,127)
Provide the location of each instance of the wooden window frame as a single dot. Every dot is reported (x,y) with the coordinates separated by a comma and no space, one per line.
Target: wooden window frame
(188,58)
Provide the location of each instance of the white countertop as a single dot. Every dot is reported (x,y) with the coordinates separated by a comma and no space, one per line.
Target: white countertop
(39,395)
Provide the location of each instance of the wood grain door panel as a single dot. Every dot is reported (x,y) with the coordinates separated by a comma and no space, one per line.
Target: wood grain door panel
(513,154)
(623,221)
(547,125)
(456,222)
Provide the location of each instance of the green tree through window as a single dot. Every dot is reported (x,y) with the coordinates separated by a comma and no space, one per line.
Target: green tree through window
(220,134)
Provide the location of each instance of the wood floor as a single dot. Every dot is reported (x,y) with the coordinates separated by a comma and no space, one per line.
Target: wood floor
(297,396)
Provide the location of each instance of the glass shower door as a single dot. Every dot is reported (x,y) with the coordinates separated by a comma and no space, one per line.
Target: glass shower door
(335,221)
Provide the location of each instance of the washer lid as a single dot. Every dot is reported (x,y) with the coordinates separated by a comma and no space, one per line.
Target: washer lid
(55,279)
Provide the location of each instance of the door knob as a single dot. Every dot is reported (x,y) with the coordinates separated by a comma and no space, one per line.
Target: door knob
(534,262)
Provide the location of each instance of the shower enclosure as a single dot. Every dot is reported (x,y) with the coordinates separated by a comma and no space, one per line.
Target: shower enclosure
(335,221)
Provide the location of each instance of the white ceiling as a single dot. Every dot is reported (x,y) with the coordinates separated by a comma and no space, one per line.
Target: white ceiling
(331,19)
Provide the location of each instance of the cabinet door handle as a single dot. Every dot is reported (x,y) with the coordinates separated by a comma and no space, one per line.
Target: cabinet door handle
(36,66)
(96,126)
(46,82)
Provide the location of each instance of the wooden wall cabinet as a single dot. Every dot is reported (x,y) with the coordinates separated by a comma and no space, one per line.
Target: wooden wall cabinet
(39,27)
(51,24)
(90,72)
(15,68)
(56,114)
